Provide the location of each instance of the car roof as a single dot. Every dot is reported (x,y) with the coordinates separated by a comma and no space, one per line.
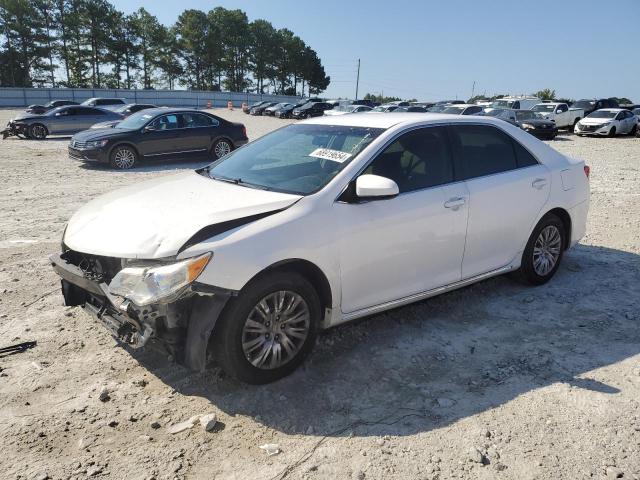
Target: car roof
(613,110)
(388,120)
(170,110)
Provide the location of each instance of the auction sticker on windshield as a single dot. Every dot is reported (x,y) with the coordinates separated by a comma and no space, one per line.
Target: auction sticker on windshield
(329,154)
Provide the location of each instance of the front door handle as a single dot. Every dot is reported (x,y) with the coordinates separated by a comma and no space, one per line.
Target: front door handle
(454,202)
(539,183)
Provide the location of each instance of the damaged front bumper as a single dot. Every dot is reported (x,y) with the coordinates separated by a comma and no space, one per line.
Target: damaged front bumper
(14,129)
(182,327)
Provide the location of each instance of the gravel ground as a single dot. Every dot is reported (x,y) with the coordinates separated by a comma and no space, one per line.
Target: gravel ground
(494,381)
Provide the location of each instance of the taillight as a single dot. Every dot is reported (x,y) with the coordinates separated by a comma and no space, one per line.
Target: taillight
(587,170)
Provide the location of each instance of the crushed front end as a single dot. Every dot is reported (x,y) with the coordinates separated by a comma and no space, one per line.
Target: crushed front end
(15,128)
(180,322)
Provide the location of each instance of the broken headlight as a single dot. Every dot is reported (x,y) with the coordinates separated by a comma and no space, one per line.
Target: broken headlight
(145,285)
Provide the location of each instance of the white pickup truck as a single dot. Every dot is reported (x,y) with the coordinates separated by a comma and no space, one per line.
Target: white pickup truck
(560,113)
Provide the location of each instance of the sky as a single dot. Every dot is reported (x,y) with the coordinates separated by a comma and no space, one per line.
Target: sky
(434,50)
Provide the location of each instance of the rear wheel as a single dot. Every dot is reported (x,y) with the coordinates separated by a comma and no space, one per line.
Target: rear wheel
(221,148)
(266,332)
(37,131)
(123,157)
(543,253)
(612,132)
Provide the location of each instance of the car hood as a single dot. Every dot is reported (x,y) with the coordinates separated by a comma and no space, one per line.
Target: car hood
(595,121)
(154,219)
(108,124)
(98,133)
(538,122)
(27,116)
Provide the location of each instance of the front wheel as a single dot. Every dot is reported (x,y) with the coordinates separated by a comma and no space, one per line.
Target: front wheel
(37,131)
(123,157)
(267,331)
(543,253)
(634,130)
(612,132)
(221,148)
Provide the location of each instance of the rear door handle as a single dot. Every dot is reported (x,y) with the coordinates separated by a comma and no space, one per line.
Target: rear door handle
(454,202)
(539,183)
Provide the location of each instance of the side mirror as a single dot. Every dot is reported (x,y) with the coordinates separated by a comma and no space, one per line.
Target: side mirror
(148,128)
(375,186)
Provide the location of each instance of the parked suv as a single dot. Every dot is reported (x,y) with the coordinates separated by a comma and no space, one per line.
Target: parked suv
(308,110)
(319,223)
(595,104)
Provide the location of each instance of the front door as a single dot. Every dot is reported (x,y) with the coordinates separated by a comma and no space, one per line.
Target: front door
(507,188)
(160,139)
(394,248)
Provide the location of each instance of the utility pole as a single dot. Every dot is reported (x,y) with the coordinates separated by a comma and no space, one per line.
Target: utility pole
(473,89)
(358,79)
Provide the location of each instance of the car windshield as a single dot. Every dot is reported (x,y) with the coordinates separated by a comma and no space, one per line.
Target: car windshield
(299,159)
(602,114)
(53,111)
(50,104)
(135,121)
(525,115)
(544,107)
(496,112)
(379,109)
(122,108)
(636,111)
(454,110)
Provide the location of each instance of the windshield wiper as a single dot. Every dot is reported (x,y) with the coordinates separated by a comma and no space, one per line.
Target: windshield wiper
(238,181)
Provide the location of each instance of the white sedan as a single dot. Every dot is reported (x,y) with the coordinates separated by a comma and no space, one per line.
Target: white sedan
(317,224)
(344,109)
(608,122)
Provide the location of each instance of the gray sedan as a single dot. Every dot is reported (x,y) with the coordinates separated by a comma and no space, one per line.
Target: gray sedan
(59,121)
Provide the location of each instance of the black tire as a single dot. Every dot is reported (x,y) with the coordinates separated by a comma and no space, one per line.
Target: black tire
(220,148)
(634,131)
(528,272)
(123,157)
(612,132)
(228,336)
(37,131)
(573,127)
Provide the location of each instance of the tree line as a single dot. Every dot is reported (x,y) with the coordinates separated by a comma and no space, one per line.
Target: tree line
(90,44)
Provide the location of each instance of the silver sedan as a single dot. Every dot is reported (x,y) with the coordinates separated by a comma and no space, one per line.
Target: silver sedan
(59,121)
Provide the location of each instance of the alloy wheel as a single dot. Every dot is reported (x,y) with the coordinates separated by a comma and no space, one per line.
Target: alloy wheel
(546,250)
(222,148)
(276,329)
(124,158)
(39,132)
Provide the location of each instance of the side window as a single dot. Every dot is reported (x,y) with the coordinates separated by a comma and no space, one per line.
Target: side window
(523,156)
(194,120)
(562,108)
(165,122)
(516,105)
(418,159)
(89,111)
(620,116)
(481,150)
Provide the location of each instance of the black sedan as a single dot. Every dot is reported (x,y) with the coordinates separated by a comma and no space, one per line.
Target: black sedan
(159,133)
(285,112)
(40,109)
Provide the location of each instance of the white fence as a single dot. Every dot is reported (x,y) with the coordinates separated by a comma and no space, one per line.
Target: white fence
(21,97)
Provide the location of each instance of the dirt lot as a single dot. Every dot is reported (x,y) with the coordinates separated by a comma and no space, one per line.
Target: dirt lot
(495,381)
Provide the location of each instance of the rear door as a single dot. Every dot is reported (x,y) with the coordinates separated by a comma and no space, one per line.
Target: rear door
(507,188)
(160,139)
(88,116)
(197,134)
